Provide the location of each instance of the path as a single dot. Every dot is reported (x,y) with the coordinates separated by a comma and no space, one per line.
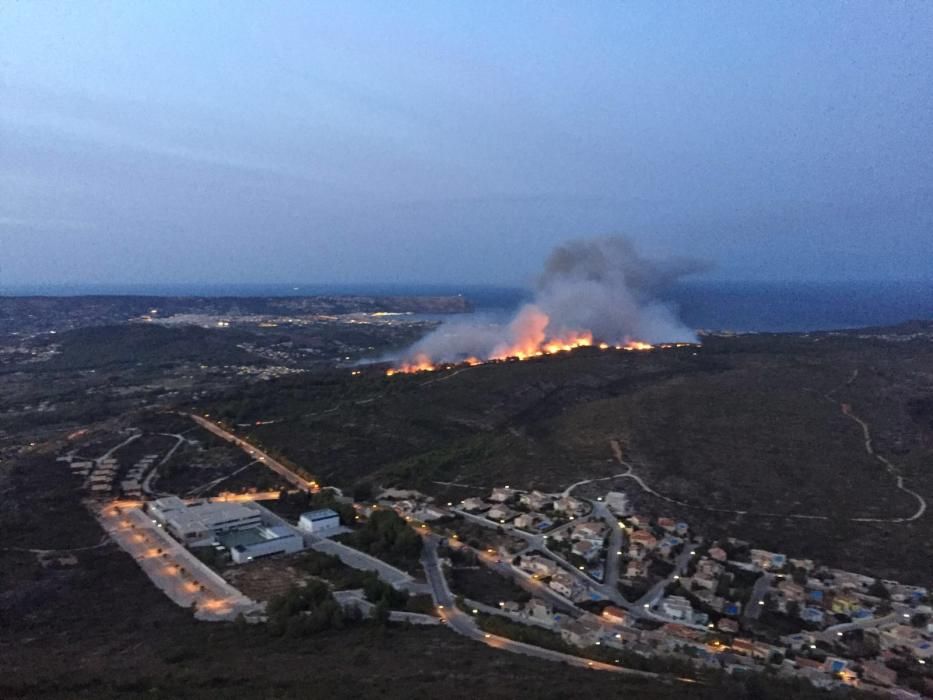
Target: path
(630,474)
(105,540)
(198,490)
(109,453)
(890,468)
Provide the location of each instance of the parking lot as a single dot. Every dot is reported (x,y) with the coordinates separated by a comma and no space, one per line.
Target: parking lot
(177,572)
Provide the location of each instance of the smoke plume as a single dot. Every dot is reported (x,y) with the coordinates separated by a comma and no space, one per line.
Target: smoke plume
(591,291)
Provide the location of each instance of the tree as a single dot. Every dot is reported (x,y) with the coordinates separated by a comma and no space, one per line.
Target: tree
(381,613)
(879,590)
(363,491)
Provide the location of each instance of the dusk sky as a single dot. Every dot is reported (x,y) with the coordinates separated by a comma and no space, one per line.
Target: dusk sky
(460,141)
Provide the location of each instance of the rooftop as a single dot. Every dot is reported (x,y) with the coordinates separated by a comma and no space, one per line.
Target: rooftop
(322,514)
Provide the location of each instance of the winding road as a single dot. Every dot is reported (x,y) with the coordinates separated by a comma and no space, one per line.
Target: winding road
(465,625)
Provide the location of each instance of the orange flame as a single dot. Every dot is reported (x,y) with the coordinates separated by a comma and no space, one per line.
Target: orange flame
(531,339)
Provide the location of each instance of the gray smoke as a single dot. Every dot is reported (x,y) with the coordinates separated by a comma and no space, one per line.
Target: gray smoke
(600,285)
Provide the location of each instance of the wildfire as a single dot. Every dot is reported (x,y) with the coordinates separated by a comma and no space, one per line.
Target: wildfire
(423,363)
(529,335)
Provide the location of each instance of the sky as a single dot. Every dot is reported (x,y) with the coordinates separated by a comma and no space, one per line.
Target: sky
(459,142)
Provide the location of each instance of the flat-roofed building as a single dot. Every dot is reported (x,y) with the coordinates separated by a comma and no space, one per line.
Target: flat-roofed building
(200,522)
(258,542)
(317,521)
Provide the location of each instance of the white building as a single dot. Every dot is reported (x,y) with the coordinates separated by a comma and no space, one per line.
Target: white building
(585,549)
(538,565)
(201,522)
(247,545)
(501,495)
(160,508)
(317,521)
(500,513)
(471,504)
(569,505)
(563,583)
(677,608)
(592,532)
(536,500)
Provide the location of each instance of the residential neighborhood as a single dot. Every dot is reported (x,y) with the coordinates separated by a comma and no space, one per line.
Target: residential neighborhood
(598,575)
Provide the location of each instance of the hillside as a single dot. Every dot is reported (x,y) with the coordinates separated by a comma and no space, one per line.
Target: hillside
(747,435)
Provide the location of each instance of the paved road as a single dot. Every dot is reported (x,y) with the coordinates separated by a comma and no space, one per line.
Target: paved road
(614,548)
(757,598)
(263,457)
(463,624)
(655,593)
(830,634)
(153,473)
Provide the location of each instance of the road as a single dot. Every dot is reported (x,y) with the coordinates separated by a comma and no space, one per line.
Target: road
(616,536)
(154,471)
(465,625)
(109,453)
(654,594)
(830,634)
(254,451)
(757,598)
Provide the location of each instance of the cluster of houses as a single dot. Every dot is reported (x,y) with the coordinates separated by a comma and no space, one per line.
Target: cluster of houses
(531,511)
(100,479)
(131,485)
(587,539)
(704,615)
(547,571)
(709,586)
(422,510)
(647,540)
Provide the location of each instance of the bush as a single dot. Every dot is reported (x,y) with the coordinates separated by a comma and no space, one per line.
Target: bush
(302,611)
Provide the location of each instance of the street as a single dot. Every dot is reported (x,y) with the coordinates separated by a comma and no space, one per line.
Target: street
(462,623)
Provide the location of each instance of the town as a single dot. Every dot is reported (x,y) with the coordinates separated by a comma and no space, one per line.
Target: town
(589,580)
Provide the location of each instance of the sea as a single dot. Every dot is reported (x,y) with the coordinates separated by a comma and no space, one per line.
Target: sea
(702,304)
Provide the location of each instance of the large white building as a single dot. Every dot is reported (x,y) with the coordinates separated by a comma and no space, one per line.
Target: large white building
(254,543)
(201,522)
(318,521)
